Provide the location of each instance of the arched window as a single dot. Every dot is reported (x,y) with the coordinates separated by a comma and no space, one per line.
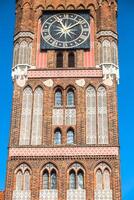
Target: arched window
(19,180)
(91,115)
(26,180)
(49,181)
(23,178)
(58,98)
(59,60)
(72,181)
(57,137)
(16,54)
(80,179)
(70,136)
(106,52)
(23,53)
(102,116)
(45,180)
(53,180)
(30,54)
(76,177)
(106,179)
(26,113)
(114,53)
(99,179)
(70,97)
(37,117)
(71,59)
(103,181)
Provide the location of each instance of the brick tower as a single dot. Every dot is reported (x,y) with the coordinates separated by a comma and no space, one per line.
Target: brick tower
(64,133)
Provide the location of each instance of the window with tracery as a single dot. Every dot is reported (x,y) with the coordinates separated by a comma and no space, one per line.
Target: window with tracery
(26,115)
(57,136)
(106,52)
(58,98)
(59,60)
(22,178)
(102,116)
(71,59)
(49,179)
(70,98)
(23,53)
(76,177)
(102,178)
(16,54)
(70,136)
(114,53)
(37,117)
(91,115)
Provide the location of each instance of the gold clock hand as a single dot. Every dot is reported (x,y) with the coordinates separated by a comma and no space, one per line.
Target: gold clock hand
(60,21)
(69,27)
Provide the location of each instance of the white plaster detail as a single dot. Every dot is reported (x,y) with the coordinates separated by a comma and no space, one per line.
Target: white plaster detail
(21,195)
(80,82)
(76,194)
(110,71)
(58,116)
(103,194)
(48,194)
(108,82)
(107,33)
(48,83)
(70,116)
(24,34)
(19,73)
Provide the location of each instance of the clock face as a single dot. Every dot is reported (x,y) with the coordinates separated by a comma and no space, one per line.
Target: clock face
(65,31)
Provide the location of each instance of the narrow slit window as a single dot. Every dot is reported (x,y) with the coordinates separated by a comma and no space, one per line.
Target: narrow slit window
(59,62)
(71,59)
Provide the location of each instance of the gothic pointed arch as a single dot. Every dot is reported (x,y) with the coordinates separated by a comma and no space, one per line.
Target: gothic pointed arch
(26,116)
(37,118)
(102,182)
(102,116)
(91,137)
(106,51)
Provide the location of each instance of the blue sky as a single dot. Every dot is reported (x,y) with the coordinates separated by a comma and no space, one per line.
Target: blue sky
(125,89)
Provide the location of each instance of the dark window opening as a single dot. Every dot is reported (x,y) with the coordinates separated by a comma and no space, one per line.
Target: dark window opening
(71,59)
(59,61)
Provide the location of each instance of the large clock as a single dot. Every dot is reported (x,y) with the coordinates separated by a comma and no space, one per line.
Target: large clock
(65,31)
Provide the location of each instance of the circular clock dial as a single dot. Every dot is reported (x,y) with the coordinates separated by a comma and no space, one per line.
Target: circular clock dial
(65,30)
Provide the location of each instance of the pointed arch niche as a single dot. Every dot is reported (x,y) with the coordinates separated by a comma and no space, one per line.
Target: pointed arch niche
(76,182)
(22,183)
(49,176)
(102,188)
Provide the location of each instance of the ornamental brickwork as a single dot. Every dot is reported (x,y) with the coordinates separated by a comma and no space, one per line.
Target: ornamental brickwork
(64,139)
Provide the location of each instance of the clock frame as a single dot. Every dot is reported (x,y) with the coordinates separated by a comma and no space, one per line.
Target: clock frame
(65,30)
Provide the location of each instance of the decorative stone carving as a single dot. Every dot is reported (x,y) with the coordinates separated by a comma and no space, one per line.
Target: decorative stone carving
(109,72)
(21,195)
(80,82)
(76,194)
(48,83)
(24,34)
(19,73)
(107,33)
(48,195)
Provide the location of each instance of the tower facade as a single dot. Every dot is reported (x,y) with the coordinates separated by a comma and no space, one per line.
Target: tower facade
(64,133)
